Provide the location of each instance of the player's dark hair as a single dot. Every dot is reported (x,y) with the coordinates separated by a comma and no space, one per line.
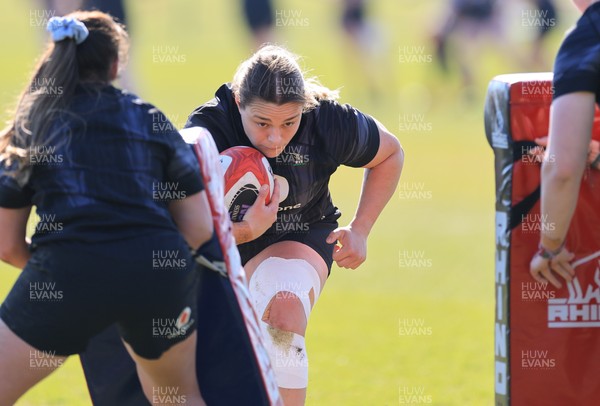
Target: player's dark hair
(61,67)
(273,75)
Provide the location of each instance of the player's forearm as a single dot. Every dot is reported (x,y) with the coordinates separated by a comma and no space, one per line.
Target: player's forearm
(242,232)
(21,257)
(558,200)
(379,185)
(16,256)
(14,244)
(571,118)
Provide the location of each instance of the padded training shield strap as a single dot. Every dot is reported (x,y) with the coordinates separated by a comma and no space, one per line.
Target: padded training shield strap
(212,174)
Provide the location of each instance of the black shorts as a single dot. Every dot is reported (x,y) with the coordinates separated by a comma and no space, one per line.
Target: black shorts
(480,10)
(70,292)
(353,15)
(312,235)
(258,13)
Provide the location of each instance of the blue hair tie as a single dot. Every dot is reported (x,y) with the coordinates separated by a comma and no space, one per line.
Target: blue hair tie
(67,27)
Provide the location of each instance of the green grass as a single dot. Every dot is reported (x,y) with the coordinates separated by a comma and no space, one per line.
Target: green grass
(357,355)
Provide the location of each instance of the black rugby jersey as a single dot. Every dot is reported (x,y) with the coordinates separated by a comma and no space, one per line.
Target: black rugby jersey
(328,136)
(577,65)
(123,163)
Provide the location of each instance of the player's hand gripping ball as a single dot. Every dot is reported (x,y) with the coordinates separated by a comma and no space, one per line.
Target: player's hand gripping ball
(246,170)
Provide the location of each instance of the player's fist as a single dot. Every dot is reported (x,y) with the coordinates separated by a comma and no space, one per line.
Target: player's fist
(261,216)
(353,250)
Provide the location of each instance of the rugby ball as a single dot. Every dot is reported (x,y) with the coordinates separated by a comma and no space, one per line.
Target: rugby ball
(245,169)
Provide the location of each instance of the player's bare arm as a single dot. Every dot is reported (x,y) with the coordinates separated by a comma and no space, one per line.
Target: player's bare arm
(571,118)
(190,216)
(380,180)
(13,247)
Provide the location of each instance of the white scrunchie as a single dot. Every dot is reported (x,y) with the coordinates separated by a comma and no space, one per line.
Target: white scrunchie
(67,27)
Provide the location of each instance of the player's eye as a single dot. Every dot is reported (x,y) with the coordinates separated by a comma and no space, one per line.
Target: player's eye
(289,124)
(262,125)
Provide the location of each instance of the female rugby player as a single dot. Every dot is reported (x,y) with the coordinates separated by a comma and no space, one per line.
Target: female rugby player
(576,93)
(288,245)
(88,157)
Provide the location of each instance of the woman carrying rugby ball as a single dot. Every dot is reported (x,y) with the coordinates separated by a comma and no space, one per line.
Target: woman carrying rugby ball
(306,135)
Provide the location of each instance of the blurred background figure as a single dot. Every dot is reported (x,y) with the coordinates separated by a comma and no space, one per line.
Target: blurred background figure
(545,20)
(259,16)
(61,7)
(469,26)
(365,43)
(355,24)
(464,23)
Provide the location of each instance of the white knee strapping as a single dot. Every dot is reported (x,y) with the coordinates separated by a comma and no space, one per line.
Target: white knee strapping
(287,350)
(278,276)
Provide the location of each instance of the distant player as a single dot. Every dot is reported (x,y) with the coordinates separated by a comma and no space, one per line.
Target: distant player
(366,44)
(88,157)
(259,15)
(464,23)
(288,245)
(546,21)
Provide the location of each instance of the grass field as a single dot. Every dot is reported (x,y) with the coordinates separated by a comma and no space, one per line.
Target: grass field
(418,316)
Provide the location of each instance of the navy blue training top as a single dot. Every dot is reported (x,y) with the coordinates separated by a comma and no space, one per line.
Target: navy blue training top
(577,65)
(328,136)
(123,163)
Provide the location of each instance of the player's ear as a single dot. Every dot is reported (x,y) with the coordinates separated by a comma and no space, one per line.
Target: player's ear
(237,101)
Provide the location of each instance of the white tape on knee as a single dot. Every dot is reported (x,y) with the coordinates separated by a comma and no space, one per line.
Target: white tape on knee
(289,360)
(287,351)
(278,276)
